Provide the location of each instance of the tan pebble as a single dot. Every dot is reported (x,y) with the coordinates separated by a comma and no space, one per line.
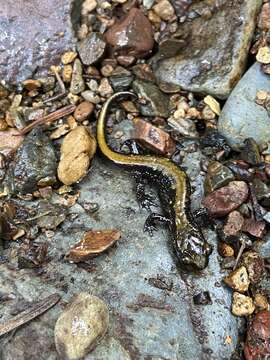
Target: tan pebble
(263,55)
(107,70)
(153,17)
(82,32)
(74,99)
(19,233)
(60,131)
(77,150)
(129,106)
(3,124)
(83,111)
(31,84)
(242,305)
(179,114)
(72,123)
(68,57)
(67,73)
(88,6)
(213,104)
(193,113)
(207,113)
(225,250)
(267,158)
(164,10)
(80,327)
(261,302)
(105,88)
(238,279)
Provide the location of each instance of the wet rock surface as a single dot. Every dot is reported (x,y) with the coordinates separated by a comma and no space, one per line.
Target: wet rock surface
(213,58)
(34,164)
(242,117)
(27,46)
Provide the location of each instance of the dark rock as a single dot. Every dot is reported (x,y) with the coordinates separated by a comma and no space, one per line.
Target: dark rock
(144,72)
(35,161)
(240,172)
(257,344)
(34,34)
(217,176)
(202,298)
(132,36)
(250,152)
(157,103)
(32,255)
(121,79)
(91,49)
(262,191)
(241,117)
(218,46)
(226,199)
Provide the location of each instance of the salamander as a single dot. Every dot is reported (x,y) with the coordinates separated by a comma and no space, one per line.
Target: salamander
(191,248)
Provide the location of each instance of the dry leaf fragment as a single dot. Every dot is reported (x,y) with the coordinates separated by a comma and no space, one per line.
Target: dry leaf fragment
(92,244)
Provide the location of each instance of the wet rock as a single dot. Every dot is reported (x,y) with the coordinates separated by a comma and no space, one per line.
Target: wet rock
(34,164)
(226,199)
(83,111)
(241,117)
(254,228)
(217,47)
(217,176)
(91,49)
(240,172)
(10,140)
(185,127)
(261,189)
(153,138)
(250,152)
(225,250)
(77,150)
(202,298)
(121,78)
(93,244)
(234,224)
(81,326)
(77,83)
(242,305)
(257,344)
(157,103)
(35,34)
(32,255)
(254,265)
(238,279)
(50,215)
(132,36)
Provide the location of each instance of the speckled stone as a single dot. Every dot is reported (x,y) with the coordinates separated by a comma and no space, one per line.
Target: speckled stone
(241,117)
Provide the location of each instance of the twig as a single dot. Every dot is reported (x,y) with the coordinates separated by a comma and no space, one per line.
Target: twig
(240,252)
(62,87)
(27,315)
(58,114)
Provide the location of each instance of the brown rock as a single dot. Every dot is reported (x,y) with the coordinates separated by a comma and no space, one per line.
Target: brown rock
(226,199)
(93,244)
(254,228)
(225,250)
(31,84)
(264,18)
(234,224)
(254,265)
(10,140)
(83,111)
(132,36)
(77,150)
(153,138)
(257,346)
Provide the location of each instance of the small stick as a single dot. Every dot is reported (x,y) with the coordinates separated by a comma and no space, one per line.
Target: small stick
(62,87)
(27,315)
(240,252)
(58,114)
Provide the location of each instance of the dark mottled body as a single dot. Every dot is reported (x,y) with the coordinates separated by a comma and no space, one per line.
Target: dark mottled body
(190,246)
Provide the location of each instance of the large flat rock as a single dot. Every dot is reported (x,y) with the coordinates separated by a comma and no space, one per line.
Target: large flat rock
(146,322)
(33,34)
(217,43)
(241,117)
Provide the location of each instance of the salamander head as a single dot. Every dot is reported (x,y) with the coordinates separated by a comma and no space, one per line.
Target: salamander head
(192,249)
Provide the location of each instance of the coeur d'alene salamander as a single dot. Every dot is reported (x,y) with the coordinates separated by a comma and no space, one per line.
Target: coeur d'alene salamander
(190,246)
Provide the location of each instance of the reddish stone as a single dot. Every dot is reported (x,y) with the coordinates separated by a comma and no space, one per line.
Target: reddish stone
(132,36)
(253,227)
(264,18)
(226,199)
(153,138)
(257,345)
(234,224)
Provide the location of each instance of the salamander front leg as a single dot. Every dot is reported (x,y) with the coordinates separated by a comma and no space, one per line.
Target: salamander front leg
(152,220)
(146,201)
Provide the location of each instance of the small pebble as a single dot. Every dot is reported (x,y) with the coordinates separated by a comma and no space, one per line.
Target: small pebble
(164,10)
(77,82)
(238,279)
(68,57)
(83,111)
(242,305)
